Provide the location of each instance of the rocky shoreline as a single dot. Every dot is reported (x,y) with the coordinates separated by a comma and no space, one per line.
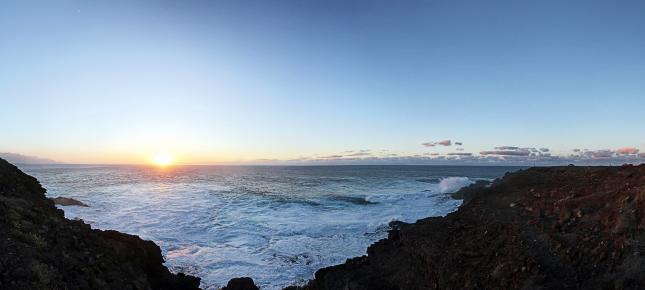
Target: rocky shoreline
(540,228)
(556,227)
(41,249)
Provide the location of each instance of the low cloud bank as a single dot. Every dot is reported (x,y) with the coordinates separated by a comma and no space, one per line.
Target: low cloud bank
(500,155)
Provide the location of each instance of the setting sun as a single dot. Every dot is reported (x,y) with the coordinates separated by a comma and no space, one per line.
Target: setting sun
(162,159)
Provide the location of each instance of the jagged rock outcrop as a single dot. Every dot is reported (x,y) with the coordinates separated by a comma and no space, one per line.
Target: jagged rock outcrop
(40,249)
(541,228)
(68,201)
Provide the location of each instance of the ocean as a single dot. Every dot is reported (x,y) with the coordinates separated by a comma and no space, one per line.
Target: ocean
(276,224)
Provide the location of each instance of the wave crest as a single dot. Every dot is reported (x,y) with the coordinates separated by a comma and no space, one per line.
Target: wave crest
(453,184)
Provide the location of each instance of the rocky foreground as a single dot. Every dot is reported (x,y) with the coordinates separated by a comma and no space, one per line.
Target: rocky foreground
(40,249)
(541,228)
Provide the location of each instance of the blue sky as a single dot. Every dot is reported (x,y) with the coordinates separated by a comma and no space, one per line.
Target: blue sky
(238,81)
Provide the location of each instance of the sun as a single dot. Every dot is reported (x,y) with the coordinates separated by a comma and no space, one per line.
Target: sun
(162,159)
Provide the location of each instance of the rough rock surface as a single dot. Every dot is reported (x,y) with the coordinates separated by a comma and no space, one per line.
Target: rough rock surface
(40,249)
(540,228)
(68,201)
(243,283)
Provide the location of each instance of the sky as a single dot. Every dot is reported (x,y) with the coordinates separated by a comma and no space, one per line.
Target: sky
(323,81)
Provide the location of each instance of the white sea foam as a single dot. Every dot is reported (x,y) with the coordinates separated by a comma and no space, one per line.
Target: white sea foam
(277,225)
(453,184)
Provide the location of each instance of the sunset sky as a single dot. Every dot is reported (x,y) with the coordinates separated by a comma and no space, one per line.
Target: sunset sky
(254,81)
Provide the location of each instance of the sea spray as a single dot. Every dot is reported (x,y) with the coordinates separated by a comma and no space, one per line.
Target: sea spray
(453,184)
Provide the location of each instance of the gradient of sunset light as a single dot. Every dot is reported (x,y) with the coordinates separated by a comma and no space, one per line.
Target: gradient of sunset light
(230,82)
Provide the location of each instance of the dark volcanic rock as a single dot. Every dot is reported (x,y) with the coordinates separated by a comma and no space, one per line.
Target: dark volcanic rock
(244,283)
(68,201)
(40,249)
(541,228)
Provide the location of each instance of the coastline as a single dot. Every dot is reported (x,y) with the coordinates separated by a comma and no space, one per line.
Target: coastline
(44,250)
(540,228)
(550,227)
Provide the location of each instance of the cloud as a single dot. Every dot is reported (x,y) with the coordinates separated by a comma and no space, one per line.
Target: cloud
(459,143)
(627,150)
(502,155)
(507,148)
(356,154)
(460,154)
(442,143)
(518,152)
(514,151)
(600,154)
(332,157)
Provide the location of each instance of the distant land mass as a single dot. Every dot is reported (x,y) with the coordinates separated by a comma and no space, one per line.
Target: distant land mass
(24,159)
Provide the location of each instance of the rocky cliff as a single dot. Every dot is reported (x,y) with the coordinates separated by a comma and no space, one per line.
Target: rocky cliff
(40,249)
(541,228)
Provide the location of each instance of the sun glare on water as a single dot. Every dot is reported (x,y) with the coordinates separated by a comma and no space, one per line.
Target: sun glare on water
(162,159)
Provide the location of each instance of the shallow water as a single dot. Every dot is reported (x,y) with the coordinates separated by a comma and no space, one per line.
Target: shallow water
(277,225)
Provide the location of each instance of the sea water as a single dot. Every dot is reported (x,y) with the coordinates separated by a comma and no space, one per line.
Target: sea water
(275,224)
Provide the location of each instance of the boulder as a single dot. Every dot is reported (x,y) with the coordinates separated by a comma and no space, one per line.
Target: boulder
(243,283)
(68,201)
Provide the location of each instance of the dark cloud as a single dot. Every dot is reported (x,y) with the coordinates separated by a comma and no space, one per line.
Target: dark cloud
(428,144)
(460,154)
(459,143)
(545,149)
(507,148)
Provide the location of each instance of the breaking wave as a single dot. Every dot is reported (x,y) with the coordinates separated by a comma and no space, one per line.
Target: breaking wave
(275,224)
(453,184)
